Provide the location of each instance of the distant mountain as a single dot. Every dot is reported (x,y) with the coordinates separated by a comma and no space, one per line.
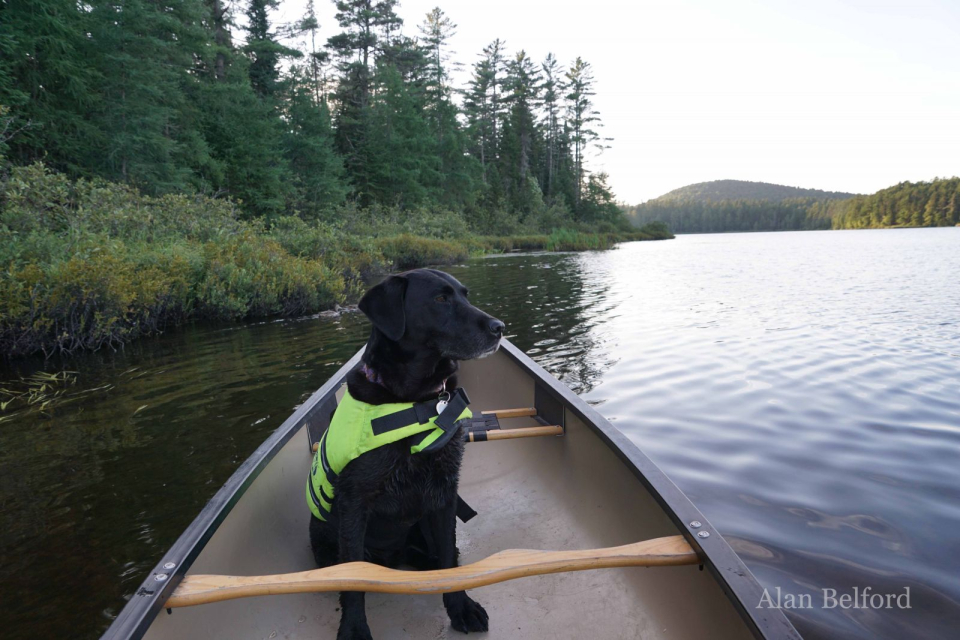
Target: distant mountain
(718,190)
(736,205)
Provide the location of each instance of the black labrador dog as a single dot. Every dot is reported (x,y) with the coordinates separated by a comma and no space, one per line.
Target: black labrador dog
(388,500)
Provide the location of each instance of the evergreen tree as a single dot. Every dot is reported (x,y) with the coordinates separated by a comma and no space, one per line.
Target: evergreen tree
(398,160)
(484,112)
(437,29)
(479,116)
(241,130)
(519,134)
(598,204)
(264,50)
(356,49)
(583,119)
(48,83)
(316,60)
(553,91)
(145,55)
(318,175)
(458,172)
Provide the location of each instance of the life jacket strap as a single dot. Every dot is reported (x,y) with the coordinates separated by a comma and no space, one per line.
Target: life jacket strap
(421,412)
(464,511)
(455,406)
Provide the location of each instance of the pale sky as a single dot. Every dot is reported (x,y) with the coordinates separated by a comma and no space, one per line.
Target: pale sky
(842,95)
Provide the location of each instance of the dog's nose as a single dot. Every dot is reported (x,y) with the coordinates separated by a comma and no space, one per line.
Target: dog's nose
(495,327)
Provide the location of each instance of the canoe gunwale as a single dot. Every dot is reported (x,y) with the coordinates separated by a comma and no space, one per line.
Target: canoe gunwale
(138,614)
(728,569)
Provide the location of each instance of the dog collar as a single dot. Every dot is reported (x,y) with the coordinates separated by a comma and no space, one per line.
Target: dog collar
(375,378)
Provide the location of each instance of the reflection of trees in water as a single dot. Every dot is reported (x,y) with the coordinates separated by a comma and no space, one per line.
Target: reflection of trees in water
(552,305)
(93,494)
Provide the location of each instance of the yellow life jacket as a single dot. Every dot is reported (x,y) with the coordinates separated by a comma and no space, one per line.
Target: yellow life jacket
(358,427)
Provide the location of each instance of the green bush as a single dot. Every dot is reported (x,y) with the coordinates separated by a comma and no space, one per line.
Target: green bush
(409,252)
(99,297)
(251,276)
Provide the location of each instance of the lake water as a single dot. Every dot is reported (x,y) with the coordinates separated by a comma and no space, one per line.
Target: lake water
(802,388)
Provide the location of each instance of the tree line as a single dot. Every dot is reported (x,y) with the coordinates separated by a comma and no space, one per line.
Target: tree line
(718,216)
(164,96)
(908,204)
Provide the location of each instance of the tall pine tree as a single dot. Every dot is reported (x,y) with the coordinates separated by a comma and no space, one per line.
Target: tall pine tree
(582,119)
(264,50)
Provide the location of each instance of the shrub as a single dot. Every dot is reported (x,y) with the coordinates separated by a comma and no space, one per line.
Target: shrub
(253,276)
(409,252)
(101,297)
(568,240)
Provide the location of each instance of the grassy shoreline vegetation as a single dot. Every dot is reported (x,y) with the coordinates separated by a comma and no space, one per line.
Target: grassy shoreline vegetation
(91,264)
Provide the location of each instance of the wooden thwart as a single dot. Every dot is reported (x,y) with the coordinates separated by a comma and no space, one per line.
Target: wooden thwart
(525,412)
(508,434)
(500,567)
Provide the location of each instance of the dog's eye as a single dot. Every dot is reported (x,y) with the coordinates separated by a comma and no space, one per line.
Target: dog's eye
(441,298)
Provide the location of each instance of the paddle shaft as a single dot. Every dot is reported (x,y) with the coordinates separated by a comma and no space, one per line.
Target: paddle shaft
(500,567)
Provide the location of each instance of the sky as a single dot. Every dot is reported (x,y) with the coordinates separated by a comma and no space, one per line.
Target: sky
(841,95)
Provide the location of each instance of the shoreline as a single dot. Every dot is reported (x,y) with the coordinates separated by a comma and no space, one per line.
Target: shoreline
(44,338)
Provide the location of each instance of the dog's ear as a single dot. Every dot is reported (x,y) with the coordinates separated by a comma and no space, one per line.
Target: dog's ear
(383,304)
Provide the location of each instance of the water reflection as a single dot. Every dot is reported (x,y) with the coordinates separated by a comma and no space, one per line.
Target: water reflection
(551,304)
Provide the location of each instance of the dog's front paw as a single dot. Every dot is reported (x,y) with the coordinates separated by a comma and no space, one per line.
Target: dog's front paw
(466,615)
(354,630)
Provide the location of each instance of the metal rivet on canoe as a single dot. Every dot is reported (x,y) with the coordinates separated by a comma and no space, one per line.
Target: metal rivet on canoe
(160,577)
(170,565)
(703,534)
(696,524)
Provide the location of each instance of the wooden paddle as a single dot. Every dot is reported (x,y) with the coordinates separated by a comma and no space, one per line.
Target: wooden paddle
(500,567)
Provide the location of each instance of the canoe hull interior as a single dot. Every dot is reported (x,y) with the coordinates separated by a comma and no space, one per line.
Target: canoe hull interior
(570,492)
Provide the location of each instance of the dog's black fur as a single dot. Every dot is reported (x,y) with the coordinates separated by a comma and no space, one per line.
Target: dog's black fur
(389,501)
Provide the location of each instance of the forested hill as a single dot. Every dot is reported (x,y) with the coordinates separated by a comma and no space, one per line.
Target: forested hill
(719,216)
(175,97)
(746,190)
(918,204)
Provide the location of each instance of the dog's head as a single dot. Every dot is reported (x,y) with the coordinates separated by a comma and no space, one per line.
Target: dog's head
(426,308)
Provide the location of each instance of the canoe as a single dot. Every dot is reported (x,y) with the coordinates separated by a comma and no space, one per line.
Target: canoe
(580,488)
